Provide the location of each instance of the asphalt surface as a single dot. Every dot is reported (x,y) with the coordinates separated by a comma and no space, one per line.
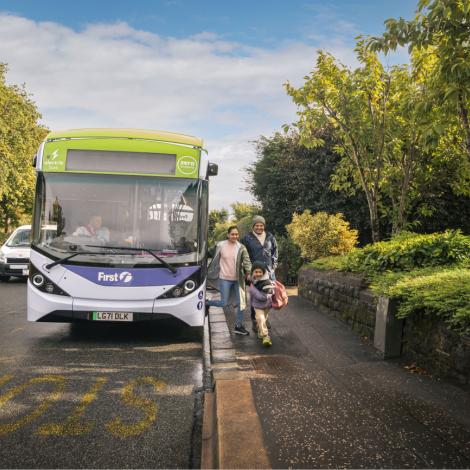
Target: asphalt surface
(326,400)
(99,395)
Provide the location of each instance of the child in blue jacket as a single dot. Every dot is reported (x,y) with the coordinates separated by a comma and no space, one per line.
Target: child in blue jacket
(261,292)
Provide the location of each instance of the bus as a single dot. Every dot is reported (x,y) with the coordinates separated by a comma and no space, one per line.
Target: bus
(129,211)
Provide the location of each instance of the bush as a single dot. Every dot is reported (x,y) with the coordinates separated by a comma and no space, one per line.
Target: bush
(427,273)
(444,292)
(408,251)
(290,260)
(321,234)
(337,263)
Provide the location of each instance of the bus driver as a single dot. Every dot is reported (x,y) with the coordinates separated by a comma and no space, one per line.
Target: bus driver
(93,229)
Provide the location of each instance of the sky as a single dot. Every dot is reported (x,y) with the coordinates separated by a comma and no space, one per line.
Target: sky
(214,69)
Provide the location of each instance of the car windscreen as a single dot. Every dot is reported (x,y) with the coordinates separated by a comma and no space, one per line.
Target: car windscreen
(20,238)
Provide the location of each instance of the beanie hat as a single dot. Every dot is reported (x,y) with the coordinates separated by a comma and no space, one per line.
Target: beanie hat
(258,219)
(259,265)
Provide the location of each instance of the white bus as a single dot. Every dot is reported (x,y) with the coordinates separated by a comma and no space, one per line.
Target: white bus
(130,209)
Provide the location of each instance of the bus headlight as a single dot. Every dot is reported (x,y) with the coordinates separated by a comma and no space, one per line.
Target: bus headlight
(49,287)
(185,287)
(43,283)
(177,292)
(38,280)
(189,286)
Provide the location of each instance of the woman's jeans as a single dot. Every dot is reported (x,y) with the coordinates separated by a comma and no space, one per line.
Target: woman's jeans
(225,289)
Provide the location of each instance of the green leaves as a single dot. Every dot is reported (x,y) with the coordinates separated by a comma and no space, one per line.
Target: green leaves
(374,116)
(20,136)
(289,177)
(441,28)
(440,291)
(321,234)
(409,251)
(428,274)
(400,132)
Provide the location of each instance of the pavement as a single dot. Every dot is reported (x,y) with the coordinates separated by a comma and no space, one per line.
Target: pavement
(325,399)
(97,395)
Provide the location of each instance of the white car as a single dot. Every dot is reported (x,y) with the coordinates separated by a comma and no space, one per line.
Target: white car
(14,254)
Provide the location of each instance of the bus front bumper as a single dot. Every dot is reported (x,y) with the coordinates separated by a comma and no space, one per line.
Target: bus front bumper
(45,307)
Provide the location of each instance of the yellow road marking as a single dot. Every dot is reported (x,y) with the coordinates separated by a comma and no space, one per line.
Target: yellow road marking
(73,426)
(5,378)
(148,406)
(55,395)
(15,330)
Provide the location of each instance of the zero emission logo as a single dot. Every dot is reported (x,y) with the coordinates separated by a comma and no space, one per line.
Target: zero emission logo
(187,165)
(53,161)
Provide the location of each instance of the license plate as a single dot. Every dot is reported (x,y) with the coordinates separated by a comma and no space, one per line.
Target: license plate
(112,316)
(19,266)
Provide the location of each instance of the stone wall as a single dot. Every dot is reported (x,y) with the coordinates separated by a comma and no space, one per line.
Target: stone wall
(442,352)
(426,340)
(345,295)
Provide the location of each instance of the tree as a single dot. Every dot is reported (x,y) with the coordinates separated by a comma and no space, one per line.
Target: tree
(385,128)
(288,177)
(409,144)
(219,220)
(217,216)
(242,210)
(220,232)
(20,136)
(439,34)
(355,104)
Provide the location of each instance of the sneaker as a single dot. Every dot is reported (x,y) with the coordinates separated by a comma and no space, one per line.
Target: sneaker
(241,330)
(267,342)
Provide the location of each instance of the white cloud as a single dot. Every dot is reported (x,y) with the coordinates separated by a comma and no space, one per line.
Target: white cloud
(232,156)
(113,75)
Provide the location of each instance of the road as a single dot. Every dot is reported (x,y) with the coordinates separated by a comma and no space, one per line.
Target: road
(96,396)
(326,400)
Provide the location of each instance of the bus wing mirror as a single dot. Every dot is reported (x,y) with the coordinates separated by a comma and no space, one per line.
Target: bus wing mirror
(35,159)
(212,169)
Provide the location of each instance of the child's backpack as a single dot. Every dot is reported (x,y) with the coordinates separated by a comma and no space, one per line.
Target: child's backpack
(280,298)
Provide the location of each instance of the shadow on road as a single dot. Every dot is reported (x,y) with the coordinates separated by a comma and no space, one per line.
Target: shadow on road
(167,331)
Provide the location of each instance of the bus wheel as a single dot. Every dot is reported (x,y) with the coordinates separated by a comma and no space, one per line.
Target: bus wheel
(4,278)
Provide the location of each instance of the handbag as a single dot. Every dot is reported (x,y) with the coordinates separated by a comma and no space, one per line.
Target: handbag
(280,298)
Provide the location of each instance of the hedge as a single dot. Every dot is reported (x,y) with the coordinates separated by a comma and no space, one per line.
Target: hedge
(427,273)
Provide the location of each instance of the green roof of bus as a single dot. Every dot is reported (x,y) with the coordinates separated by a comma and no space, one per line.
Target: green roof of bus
(161,136)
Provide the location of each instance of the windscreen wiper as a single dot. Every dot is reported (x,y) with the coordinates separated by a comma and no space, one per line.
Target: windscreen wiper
(61,260)
(147,250)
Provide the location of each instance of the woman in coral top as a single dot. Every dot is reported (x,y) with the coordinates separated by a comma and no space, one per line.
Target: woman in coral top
(230,267)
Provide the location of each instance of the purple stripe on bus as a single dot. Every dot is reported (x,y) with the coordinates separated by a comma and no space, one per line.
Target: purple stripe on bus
(132,277)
